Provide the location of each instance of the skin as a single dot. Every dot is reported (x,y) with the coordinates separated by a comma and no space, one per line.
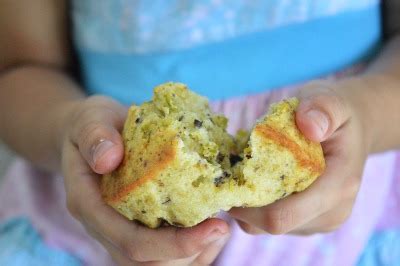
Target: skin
(46,118)
(352,118)
(79,137)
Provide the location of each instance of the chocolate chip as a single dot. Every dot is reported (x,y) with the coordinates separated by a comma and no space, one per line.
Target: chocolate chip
(282,177)
(163,222)
(248,156)
(198,123)
(140,223)
(138,120)
(234,159)
(180,118)
(143,211)
(221,179)
(283,195)
(167,201)
(220,157)
(218,181)
(177,224)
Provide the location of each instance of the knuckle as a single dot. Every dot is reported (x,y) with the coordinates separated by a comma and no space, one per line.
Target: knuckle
(332,99)
(249,229)
(331,228)
(342,218)
(81,112)
(72,207)
(94,115)
(102,103)
(97,99)
(315,84)
(204,260)
(93,123)
(350,189)
(279,221)
(131,251)
(90,133)
(337,221)
(327,97)
(338,106)
(186,248)
(152,263)
(81,118)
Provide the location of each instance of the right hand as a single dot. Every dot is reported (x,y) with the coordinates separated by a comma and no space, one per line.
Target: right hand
(92,146)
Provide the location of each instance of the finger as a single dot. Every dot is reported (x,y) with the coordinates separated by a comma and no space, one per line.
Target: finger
(327,222)
(250,229)
(178,262)
(135,241)
(96,134)
(208,256)
(144,244)
(121,260)
(297,209)
(141,243)
(115,254)
(321,111)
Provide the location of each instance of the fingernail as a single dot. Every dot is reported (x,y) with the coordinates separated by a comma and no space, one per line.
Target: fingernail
(320,119)
(98,150)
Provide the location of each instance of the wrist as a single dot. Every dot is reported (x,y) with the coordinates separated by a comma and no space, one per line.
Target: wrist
(358,93)
(371,101)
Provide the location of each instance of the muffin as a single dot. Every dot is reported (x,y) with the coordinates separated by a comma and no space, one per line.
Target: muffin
(181,166)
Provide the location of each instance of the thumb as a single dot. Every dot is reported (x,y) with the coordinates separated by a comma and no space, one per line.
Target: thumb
(320,113)
(97,134)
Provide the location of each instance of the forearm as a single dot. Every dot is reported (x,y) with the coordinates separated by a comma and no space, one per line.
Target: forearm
(377,96)
(384,73)
(34,104)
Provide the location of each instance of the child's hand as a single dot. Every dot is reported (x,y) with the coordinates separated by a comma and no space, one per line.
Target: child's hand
(330,113)
(92,146)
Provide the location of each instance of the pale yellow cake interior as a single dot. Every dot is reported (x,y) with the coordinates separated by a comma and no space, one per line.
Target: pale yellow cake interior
(181,166)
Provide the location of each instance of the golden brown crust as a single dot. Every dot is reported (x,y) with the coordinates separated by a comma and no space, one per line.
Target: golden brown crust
(148,171)
(304,156)
(142,162)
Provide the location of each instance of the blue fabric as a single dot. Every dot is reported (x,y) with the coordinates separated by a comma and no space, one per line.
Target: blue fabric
(21,245)
(383,249)
(143,26)
(243,65)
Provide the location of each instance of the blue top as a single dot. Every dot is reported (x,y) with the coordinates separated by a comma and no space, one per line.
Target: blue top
(219,48)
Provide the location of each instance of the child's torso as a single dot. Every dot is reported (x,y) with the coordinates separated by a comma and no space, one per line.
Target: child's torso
(219,48)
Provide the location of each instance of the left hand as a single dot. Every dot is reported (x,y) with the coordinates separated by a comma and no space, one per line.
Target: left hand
(92,145)
(330,113)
